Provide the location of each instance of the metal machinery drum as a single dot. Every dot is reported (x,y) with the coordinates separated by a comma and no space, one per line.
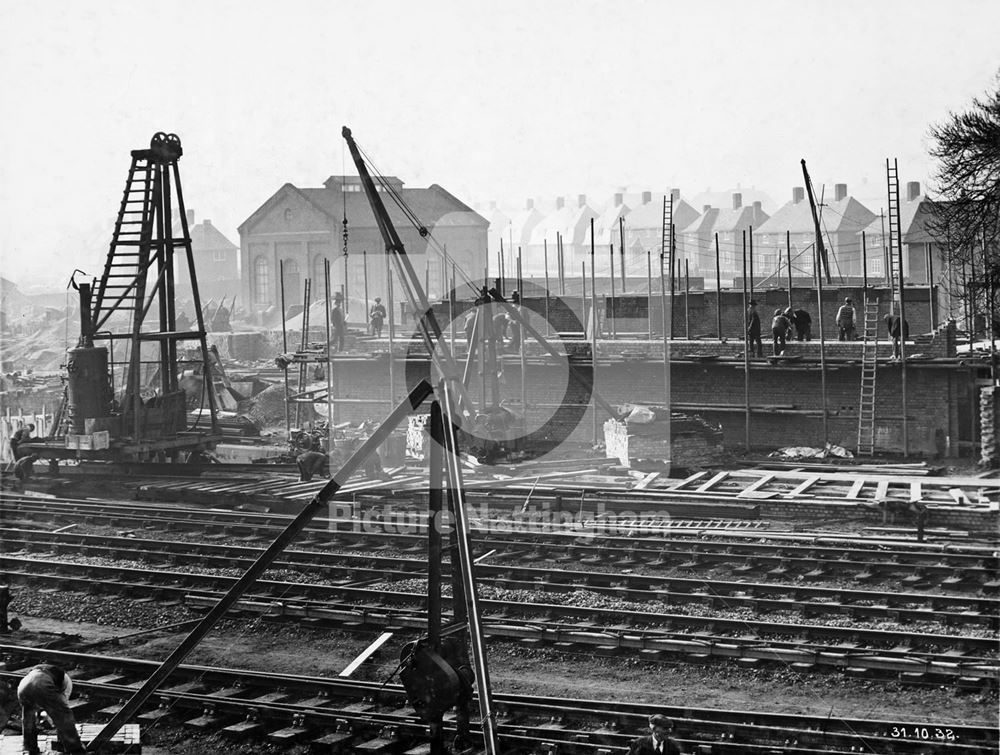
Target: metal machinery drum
(88,393)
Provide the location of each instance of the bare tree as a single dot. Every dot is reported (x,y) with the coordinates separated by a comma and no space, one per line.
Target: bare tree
(967,147)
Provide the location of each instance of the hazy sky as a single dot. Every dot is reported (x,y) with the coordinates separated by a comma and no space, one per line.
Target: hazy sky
(493,100)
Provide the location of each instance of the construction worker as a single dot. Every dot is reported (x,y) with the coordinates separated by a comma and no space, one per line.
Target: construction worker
(658,741)
(20,436)
(779,331)
(845,320)
(337,325)
(754,343)
(312,463)
(803,325)
(23,469)
(892,323)
(376,317)
(48,688)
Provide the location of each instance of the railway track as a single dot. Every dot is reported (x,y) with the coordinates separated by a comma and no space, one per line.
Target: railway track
(810,601)
(367,716)
(956,568)
(653,633)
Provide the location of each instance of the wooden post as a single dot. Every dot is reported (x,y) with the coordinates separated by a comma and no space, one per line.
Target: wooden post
(621,249)
(673,249)
(364,265)
(931,299)
(718,290)
(545,251)
(788,253)
(864,263)
(595,319)
(561,260)
(649,296)
(751,259)
(611,270)
(746,353)
(817,271)
(284,350)
(687,309)
(665,333)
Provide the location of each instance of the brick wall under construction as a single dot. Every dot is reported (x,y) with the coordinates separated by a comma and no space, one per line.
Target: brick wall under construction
(786,401)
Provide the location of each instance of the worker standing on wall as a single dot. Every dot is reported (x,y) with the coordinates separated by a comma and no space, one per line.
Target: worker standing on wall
(754,343)
(898,327)
(48,688)
(845,320)
(337,325)
(376,317)
(803,325)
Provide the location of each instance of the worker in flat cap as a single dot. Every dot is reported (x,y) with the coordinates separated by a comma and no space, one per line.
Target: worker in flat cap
(47,687)
(658,741)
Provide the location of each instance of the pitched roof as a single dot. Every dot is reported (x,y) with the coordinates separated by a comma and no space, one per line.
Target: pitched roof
(606,224)
(650,215)
(433,206)
(204,235)
(917,220)
(565,221)
(844,216)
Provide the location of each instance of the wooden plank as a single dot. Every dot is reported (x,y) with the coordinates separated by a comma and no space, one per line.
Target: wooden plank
(688,480)
(646,480)
(856,488)
(916,492)
(367,653)
(718,477)
(803,486)
(881,490)
(749,491)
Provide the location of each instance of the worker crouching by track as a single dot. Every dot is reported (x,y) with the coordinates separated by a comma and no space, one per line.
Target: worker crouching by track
(45,688)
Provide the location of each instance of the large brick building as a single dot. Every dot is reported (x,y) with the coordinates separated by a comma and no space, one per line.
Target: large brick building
(302,227)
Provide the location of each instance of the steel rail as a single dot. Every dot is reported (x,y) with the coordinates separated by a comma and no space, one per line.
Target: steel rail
(725,541)
(632,586)
(582,724)
(386,608)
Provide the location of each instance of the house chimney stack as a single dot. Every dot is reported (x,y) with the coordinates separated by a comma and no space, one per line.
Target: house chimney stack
(705,208)
(912,190)
(190,218)
(581,200)
(758,212)
(529,204)
(798,194)
(560,203)
(207,223)
(618,199)
(839,192)
(737,201)
(647,197)
(493,204)
(675,194)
